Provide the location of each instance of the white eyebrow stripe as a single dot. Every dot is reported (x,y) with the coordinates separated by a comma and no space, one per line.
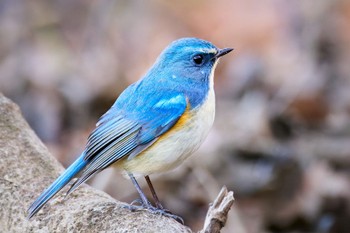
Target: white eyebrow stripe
(212,50)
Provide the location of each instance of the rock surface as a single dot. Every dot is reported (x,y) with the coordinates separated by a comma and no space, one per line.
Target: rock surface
(27,168)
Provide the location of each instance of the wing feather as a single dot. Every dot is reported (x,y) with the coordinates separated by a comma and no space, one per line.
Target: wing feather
(127,131)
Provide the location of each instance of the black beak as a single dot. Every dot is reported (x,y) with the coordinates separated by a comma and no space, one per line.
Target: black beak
(223,52)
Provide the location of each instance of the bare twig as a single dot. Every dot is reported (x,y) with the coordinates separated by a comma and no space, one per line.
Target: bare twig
(218,211)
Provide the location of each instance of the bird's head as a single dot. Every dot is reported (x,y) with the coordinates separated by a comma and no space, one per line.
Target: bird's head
(190,58)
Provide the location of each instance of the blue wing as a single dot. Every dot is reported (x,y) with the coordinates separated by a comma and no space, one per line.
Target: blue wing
(134,122)
(129,127)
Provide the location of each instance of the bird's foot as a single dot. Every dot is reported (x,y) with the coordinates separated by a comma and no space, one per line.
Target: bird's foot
(138,204)
(142,206)
(165,213)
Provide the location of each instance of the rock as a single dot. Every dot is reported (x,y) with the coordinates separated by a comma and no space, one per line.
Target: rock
(27,168)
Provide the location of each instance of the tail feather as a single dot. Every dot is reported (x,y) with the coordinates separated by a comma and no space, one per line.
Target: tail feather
(57,185)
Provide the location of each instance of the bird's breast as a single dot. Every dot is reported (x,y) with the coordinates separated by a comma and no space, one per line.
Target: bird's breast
(178,143)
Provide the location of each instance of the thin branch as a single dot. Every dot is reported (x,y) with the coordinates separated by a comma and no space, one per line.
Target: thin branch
(217,214)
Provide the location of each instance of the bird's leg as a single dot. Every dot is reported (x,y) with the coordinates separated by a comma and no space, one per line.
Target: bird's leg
(147,205)
(159,206)
(155,197)
(144,200)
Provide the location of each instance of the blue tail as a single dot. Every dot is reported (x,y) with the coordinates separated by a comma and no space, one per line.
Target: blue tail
(57,185)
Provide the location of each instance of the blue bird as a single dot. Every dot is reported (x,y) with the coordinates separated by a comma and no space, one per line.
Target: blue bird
(154,125)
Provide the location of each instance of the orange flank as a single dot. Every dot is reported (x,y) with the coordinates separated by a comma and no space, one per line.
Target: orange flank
(186,116)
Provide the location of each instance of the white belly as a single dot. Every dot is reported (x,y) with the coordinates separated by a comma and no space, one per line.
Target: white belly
(172,149)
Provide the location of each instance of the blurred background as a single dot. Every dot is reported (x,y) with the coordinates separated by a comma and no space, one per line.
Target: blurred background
(281,138)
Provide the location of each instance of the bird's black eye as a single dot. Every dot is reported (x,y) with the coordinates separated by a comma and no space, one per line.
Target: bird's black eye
(198,59)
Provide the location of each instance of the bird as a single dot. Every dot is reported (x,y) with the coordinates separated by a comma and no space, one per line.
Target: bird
(154,125)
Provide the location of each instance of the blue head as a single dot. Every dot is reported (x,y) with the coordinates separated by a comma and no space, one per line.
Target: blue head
(187,65)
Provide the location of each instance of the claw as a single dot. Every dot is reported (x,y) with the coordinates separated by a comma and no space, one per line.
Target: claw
(137,201)
(153,210)
(165,213)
